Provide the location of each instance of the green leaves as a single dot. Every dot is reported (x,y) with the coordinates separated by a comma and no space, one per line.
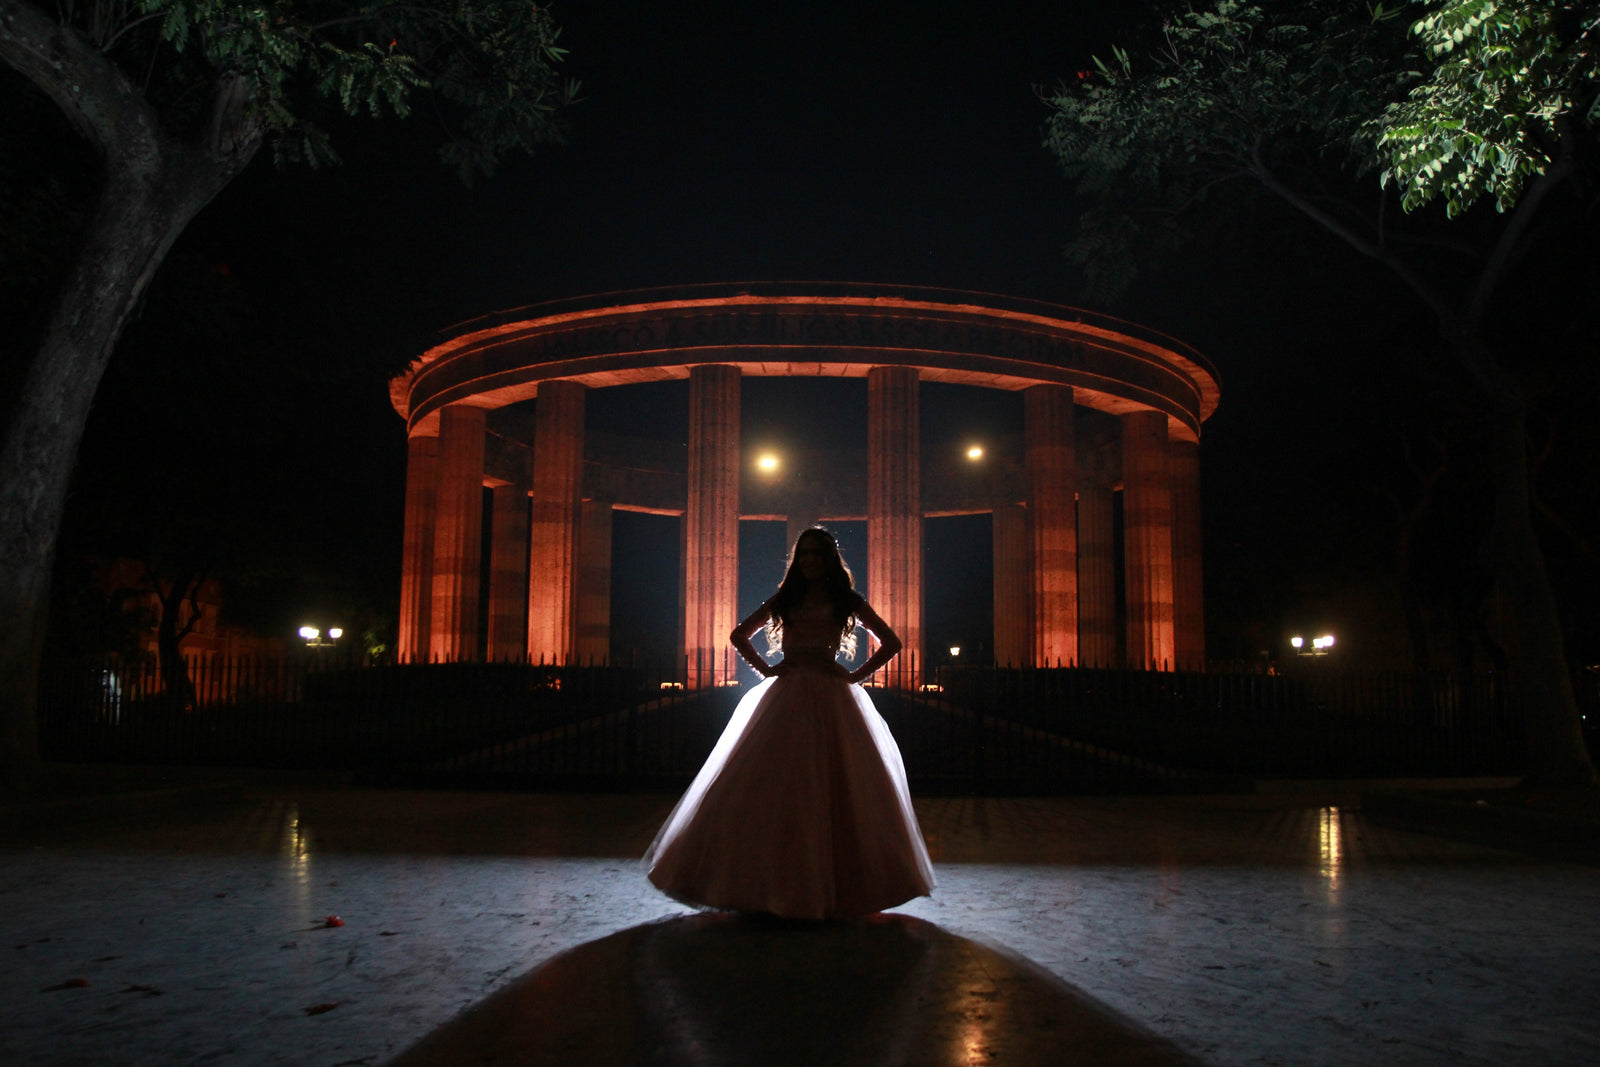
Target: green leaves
(1514,87)
(1220,97)
(499,72)
(1496,93)
(490,64)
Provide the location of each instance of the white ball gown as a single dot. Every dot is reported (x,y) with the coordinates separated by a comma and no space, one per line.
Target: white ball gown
(802,809)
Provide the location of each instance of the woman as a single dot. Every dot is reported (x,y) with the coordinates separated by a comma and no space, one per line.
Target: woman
(802,808)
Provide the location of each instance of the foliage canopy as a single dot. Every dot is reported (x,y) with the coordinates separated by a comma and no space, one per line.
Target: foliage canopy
(176,97)
(1512,93)
(234,68)
(1484,98)
(1234,93)
(1479,97)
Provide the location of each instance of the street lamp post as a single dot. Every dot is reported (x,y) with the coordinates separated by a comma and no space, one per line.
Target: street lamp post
(315,638)
(1320,646)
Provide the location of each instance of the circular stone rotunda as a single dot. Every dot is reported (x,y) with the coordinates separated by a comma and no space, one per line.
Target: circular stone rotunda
(1108,407)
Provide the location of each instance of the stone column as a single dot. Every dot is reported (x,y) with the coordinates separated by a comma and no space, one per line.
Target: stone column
(594,582)
(1013,587)
(457,548)
(894,512)
(416,564)
(1188,593)
(553,523)
(1097,579)
(1147,539)
(711,524)
(1050,442)
(508,571)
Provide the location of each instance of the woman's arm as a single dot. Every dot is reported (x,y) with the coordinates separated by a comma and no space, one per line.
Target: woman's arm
(744,632)
(888,643)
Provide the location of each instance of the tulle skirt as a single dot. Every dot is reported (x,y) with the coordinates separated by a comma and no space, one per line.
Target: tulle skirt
(801,810)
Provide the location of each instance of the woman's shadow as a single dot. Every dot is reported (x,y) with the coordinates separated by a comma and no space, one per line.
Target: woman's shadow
(721,989)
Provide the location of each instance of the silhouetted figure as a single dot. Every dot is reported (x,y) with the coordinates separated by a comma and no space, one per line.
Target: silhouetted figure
(802,808)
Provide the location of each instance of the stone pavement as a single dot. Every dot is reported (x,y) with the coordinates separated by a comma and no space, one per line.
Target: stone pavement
(190,922)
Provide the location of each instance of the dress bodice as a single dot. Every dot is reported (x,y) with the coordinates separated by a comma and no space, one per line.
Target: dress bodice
(811,631)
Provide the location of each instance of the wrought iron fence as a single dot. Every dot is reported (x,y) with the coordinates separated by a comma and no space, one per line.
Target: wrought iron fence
(1190,730)
(539,724)
(640,725)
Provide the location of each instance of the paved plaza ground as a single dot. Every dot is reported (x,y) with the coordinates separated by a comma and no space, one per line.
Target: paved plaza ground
(166,918)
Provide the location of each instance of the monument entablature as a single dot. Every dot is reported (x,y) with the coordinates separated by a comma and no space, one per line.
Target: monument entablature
(1112,412)
(791,330)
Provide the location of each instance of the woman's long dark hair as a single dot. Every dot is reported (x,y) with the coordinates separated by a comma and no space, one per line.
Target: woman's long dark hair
(837,581)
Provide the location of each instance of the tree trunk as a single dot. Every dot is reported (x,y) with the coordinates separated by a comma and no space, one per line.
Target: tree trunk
(177,689)
(1410,600)
(1553,727)
(152,190)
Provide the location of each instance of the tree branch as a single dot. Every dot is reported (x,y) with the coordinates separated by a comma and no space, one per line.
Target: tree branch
(318,27)
(1555,519)
(194,607)
(1436,303)
(90,90)
(1535,468)
(231,133)
(1200,192)
(111,41)
(1521,219)
(1414,240)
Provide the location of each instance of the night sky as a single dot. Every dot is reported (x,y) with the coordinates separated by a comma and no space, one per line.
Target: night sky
(891,142)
